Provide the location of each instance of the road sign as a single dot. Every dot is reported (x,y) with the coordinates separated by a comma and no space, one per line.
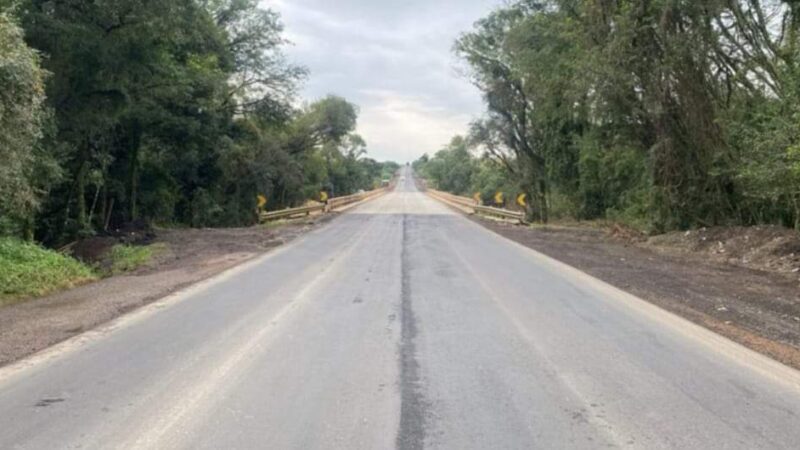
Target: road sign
(477,197)
(323,196)
(499,198)
(262,201)
(521,200)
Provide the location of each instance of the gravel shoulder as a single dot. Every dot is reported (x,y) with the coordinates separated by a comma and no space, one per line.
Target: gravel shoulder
(758,308)
(188,256)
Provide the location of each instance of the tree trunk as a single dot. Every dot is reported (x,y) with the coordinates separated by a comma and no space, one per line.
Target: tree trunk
(28,227)
(80,196)
(108,215)
(135,139)
(133,188)
(797,213)
(94,204)
(103,205)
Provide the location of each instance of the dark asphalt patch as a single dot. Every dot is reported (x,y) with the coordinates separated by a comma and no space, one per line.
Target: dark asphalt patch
(411,435)
(44,403)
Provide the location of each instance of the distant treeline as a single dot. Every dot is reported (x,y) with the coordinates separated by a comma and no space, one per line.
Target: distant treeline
(169,112)
(665,114)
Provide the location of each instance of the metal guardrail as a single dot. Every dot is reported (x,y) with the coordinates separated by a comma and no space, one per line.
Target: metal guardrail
(465,202)
(500,212)
(338,202)
(331,205)
(446,196)
(291,212)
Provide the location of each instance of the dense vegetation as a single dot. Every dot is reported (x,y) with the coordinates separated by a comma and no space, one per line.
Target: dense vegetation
(665,114)
(455,169)
(27,269)
(180,111)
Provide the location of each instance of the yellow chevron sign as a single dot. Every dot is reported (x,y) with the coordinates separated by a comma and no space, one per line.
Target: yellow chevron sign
(262,201)
(477,197)
(522,199)
(323,196)
(499,198)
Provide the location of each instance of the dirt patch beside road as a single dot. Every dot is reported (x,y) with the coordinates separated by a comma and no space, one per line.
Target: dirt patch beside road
(757,308)
(188,256)
(768,248)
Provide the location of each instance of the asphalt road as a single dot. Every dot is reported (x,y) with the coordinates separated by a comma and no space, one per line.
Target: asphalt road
(400,324)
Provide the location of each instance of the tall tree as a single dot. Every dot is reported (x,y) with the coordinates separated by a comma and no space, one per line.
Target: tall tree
(26,170)
(165,112)
(668,109)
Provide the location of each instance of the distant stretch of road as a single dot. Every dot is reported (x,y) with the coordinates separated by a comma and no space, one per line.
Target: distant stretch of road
(401,324)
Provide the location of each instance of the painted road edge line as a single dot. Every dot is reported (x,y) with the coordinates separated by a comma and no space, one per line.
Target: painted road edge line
(718,343)
(75,343)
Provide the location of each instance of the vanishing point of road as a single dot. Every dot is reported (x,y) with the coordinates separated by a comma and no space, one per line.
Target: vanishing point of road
(400,324)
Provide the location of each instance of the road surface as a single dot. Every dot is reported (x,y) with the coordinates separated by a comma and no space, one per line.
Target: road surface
(401,324)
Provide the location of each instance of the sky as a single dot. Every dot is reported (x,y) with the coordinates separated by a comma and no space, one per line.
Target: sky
(394,60)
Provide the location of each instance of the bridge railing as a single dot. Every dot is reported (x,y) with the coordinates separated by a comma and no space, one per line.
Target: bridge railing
(291,212)
(472,206)
(330,206)
(339,202)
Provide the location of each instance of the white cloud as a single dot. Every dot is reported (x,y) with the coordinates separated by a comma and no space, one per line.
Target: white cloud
(394,60)
(405,126)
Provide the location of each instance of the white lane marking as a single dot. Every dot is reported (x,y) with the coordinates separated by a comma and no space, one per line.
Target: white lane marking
(62,349)
(716,343)
(600,424)
(155,432)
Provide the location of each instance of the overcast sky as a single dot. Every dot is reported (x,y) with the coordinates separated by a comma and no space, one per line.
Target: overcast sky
(393,59)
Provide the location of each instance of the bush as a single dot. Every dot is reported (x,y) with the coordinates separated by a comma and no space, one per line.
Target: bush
(28,270)
(125,258)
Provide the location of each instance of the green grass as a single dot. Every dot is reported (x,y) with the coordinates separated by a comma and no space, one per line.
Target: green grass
(125,258)
(29,270)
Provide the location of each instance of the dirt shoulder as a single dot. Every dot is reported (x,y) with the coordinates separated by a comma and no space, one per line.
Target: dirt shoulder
(186,256)
(714,285)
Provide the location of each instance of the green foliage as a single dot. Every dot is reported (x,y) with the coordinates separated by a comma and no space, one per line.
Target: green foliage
(662,114)
(611,180)
(388,169)
(456,170)
(125,258)
(765,135)
(26,170)
(313,149)
(174,112)
(451,169)
(29,270)
(490,178)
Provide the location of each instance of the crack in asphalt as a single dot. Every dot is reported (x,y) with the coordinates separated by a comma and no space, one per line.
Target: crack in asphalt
(411,435)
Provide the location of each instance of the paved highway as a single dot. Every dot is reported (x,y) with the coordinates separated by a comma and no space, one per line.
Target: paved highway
(401,324)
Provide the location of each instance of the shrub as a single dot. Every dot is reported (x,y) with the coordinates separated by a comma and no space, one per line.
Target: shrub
(28,270)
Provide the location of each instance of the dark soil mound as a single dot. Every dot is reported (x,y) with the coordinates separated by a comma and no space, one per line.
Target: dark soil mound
(94,250)
(768,248)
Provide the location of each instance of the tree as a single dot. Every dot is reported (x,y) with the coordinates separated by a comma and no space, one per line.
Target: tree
(451,168)
(509,132)
(678,113)
(119,68)
(26,170)
(166,112)
(262,77)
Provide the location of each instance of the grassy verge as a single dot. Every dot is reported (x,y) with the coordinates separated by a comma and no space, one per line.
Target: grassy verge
(28,270)
(125,258)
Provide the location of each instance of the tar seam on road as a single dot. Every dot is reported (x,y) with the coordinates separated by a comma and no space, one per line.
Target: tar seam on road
(411,434)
